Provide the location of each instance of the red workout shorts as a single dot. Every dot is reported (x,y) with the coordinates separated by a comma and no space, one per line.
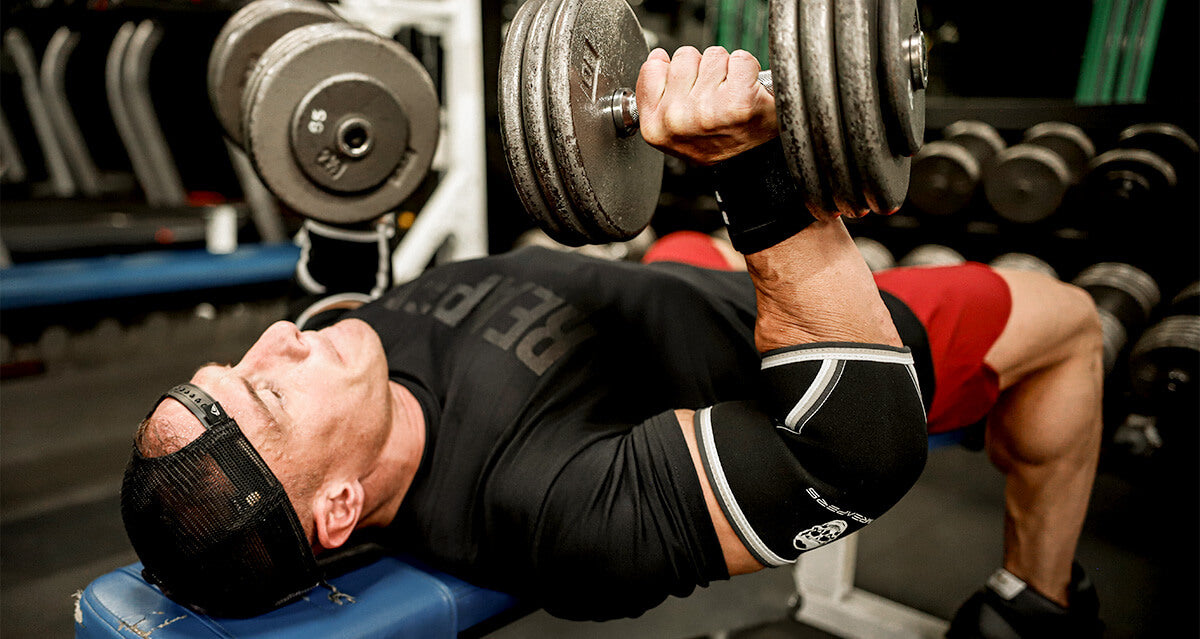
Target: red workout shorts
(963,308)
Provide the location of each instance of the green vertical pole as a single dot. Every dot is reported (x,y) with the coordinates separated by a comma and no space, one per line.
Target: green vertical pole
(1114,43)
(1130,51)
(1089,70)
(1148,48)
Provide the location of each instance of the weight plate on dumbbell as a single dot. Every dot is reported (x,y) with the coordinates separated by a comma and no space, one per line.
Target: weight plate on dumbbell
(819,83)
(981,139)
(944,178)
(242,40)
(596,48)
(1026,183)
(1068,141)
(1187,301)
(932,255)
(875,254)
(1024,262)
(289,78)
(1131,281)
(1132,175)
(349,133)
(791,110)
(905,71)
(882,172)
(538,140)
(1164,360)
(1166,140)
(512,129)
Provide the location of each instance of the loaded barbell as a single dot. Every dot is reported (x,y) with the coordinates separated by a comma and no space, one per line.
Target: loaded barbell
(848,79)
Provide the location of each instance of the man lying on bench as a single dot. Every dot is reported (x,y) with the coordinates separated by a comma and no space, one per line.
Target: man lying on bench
(591,436)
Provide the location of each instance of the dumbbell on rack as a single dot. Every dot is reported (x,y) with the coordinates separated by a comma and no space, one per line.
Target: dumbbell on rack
(946,173)
(875,254)
(1028,181)
(932,255)
(1125,297)
(850,104)
(340,123)
(1146,166)
(1024,262)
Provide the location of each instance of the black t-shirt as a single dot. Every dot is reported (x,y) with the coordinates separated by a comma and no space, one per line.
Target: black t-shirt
(554,468)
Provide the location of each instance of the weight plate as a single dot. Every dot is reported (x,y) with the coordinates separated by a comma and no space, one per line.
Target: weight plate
(538,139)
(1068,141)
(1126,278)
(981,139)
(1131,175)
(944,178)
(614,180)
(1027,183)
(932,255)
(1024,262)
(349,133)
(1187,301)
(274,53)
(902,54)
(875,254)
(1168,141)
(1164,360)
(512,128)
(883,173)
(818,81)
(790,109)
(239,44)
(286,77)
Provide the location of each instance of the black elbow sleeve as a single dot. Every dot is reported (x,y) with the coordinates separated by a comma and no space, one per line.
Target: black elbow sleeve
(838,438)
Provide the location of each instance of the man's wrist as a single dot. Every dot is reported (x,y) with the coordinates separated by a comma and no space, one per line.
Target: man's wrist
(760,201)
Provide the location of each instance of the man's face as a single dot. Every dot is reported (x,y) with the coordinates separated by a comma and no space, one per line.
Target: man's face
(311,402)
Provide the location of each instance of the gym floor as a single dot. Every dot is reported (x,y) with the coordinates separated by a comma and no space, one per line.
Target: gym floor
(65,438)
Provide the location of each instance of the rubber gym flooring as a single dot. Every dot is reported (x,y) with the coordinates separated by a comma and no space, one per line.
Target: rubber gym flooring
(64,439)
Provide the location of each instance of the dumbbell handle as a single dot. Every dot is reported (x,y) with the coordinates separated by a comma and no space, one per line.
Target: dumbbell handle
(625,111)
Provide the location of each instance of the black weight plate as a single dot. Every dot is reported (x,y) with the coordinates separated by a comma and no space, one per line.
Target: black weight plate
(286,78)
(595,48)
(791,110)
(538,140)
(512,128)
(1164,361)
(1026,183)
(819,84)
(1068,141)
(981,139)
(239,44)
(1131,281)
(1166,140)
(899,28)
(1130,175)
(883,173)
(944,178)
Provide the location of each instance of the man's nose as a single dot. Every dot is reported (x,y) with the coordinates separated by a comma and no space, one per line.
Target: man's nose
(281,340)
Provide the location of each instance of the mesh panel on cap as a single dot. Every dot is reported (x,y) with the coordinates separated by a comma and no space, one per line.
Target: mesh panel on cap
(214,527)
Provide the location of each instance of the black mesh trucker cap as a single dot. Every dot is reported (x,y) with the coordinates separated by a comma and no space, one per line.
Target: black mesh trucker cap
(211,523)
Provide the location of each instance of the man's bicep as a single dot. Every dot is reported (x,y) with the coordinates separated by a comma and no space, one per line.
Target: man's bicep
(738,560)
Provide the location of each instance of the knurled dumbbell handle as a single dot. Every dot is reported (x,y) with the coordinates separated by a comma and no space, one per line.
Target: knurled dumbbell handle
(625,110)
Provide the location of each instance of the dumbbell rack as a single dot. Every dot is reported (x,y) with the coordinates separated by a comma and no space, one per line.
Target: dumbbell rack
(452,225)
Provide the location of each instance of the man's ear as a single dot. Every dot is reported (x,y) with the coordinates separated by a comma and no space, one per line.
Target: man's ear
(336,509)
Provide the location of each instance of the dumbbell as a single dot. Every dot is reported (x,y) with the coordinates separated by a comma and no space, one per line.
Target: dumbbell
(946,173)
(340,123)
(1028,181)
(1163,362)
(875,254)
(1146,165)
(1125,297)
(932,255)
(848,79)
(1024,262)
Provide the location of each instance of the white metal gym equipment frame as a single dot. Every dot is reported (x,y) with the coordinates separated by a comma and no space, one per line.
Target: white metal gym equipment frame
(453,223)
(824,581)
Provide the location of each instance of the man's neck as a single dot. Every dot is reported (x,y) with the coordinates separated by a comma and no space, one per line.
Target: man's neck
(389,480)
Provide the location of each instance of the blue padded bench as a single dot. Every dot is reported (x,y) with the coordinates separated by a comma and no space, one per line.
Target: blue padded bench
(392,598)
(66,281)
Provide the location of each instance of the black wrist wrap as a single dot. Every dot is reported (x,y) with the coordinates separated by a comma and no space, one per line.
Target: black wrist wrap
(760,200)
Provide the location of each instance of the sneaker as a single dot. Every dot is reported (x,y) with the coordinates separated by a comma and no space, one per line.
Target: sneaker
(1007,608)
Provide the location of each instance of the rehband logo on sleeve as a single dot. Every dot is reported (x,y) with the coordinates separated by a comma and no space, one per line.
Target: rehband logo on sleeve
(862,519)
